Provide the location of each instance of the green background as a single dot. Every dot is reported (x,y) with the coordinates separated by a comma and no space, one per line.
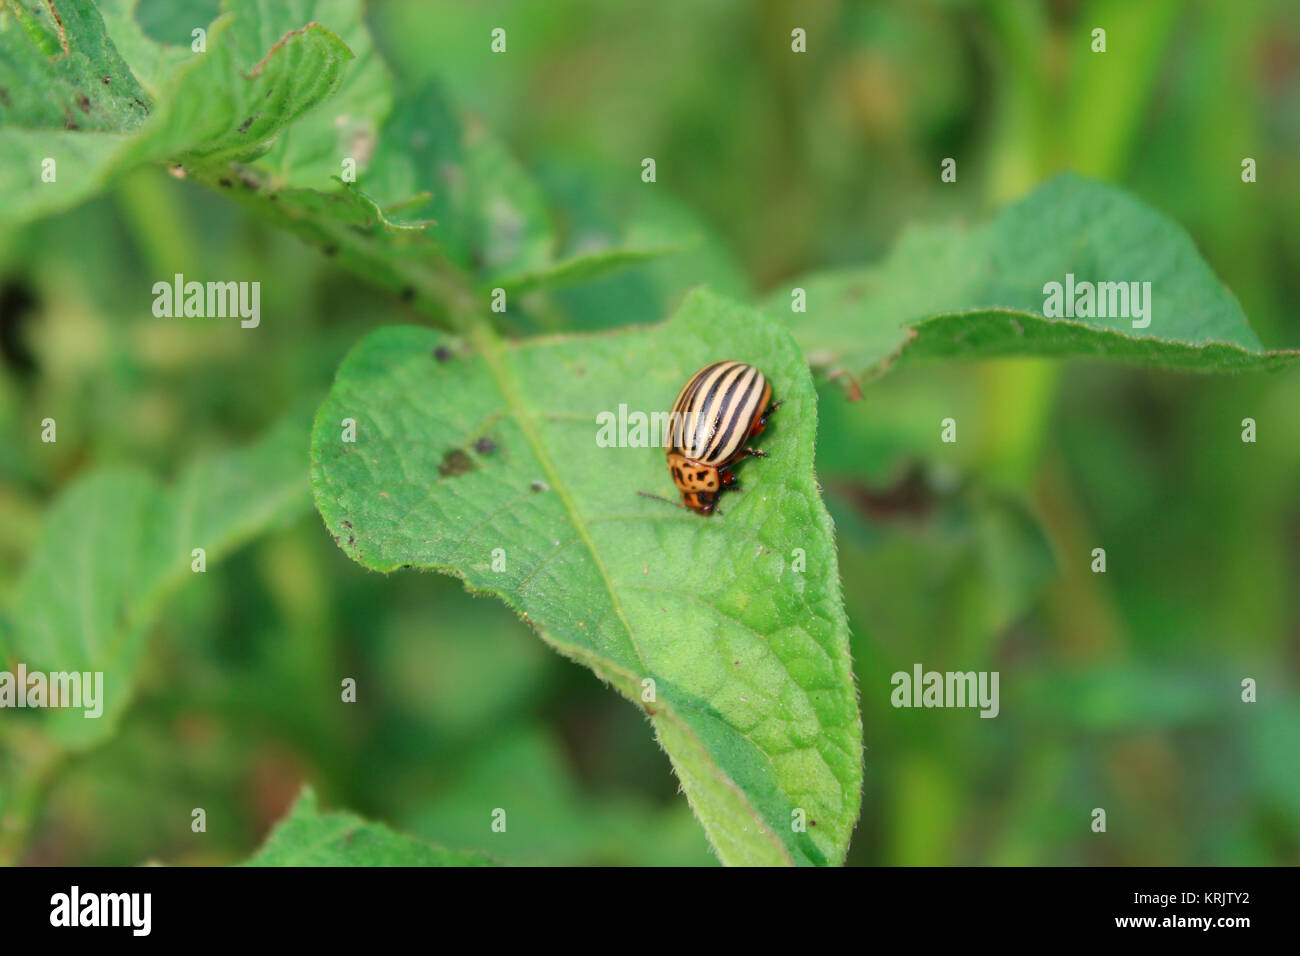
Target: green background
(1119,690)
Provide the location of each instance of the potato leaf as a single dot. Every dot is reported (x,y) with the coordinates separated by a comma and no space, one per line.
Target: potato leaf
(480,459)
(231,101)
(116,544)
(308,837)
(286,101)
(946,292)
(64,73)
(77,106)
(85,110)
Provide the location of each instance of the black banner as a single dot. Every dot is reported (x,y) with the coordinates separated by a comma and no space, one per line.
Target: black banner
(333,905)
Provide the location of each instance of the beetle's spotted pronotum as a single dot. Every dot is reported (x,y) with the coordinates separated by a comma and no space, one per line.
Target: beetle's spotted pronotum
(717,412)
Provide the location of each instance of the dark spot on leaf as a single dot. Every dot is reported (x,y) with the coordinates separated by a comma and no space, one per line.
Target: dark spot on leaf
(224,183)
(4,96)
(538,486)
(243,127)
(454,463)
(68,121)
(331,250)
(351,540)
(83,102)
(442,353)
(579,371)
(106,81)
(812,823)
(649,710)
(347,524)
(337,539)
(407,293)
(407,567)
(485,446)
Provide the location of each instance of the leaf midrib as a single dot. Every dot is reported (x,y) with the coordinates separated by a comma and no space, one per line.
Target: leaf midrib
(489,346)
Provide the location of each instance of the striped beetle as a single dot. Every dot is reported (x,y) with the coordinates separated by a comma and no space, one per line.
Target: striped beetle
(717,412)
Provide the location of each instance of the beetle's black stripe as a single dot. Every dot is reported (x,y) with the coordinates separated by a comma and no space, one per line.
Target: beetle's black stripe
(742,407)
(699,411)
(730,410)
(682,421)
(747,408)
(712,408)
(715,409)
(688,406)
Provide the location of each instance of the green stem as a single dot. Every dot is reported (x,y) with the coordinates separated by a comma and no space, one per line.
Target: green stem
(433,285)
(22,811)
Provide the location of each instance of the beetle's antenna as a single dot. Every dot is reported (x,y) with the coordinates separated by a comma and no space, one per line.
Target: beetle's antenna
(675,504)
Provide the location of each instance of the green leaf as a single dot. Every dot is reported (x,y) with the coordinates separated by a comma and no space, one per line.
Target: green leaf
(551,821)
(979,293)
(276,92)
(116,544)
(82,160)
(252,83)
(75,107)
(589,265)
(491,220)
(346,124)
(227,104)
(602,208)
(395,254)
(491,216)
(936,571)
(307,837)
(66,75)
(151,62)
(754,698)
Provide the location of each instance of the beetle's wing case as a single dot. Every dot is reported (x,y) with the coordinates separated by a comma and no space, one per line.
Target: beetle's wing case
(715,410)
(682,422)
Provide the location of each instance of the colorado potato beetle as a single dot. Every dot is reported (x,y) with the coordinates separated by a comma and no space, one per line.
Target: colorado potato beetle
(717,412)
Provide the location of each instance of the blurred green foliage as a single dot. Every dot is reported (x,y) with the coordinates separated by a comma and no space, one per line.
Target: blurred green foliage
(1119,690)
